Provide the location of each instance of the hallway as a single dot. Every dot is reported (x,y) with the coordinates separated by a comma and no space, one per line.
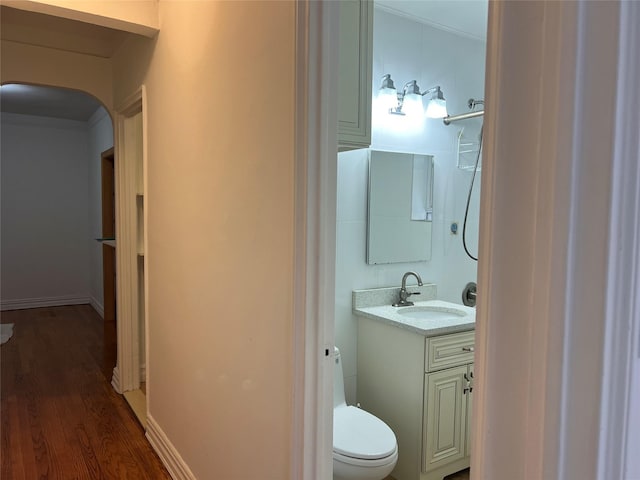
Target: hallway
(61,418)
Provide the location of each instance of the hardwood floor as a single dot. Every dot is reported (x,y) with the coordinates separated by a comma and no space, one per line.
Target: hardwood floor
(59,416)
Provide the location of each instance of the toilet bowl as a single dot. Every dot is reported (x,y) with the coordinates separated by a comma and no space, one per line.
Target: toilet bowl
(364,447)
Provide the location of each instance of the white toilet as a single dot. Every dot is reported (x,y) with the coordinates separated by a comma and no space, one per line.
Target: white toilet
(364,447)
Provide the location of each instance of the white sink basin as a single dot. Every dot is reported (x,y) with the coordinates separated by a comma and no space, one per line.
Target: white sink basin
(431,312)
(427,317)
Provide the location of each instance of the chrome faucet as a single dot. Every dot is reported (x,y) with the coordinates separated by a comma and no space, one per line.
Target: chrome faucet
(404,295)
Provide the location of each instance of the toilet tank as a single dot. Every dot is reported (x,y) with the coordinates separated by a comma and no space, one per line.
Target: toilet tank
(338,380)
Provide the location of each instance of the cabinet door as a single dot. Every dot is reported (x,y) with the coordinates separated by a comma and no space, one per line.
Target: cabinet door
(445,425)
(354,82)
(469,410)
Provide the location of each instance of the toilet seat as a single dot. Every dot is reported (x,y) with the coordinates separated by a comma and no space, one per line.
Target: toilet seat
(360,438)
(358,462)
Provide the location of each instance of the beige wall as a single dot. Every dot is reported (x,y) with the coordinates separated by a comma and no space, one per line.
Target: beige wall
(220,230)
(46,66)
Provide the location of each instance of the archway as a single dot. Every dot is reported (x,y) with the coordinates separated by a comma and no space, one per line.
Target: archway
(53,146)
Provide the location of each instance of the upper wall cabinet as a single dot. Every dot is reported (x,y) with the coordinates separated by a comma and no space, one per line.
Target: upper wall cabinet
(354,84)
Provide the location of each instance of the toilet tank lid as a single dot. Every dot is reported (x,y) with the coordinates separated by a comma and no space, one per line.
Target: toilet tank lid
(359,434)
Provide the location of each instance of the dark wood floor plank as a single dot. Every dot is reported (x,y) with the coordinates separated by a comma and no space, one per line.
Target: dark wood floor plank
(12,465)
(76,435)
(59,416)
(32,431)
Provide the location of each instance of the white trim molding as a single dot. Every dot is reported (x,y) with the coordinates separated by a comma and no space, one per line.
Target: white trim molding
(314,252)
(127,284)
(40,302)
(177,467)
(100,113)
(143,374)
(46,122)
(552,259)
(622,327)
(97,306)
(115,380)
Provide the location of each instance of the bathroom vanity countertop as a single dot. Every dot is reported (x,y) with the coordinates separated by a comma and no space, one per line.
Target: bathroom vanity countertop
(463,318)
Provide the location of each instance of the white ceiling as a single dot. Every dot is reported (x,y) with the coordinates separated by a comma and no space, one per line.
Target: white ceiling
(465,17)
(47,102)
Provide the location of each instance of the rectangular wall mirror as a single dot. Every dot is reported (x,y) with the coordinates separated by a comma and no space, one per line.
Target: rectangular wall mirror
(400,207)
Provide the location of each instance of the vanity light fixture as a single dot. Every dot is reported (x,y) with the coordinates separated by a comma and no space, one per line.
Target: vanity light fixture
(388,94)
(409,101)
(437,106)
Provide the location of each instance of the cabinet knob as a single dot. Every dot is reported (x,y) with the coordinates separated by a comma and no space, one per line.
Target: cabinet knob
(468,349)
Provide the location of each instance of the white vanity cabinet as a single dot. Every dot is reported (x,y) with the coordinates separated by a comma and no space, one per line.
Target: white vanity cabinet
(354,77)
(448,388)
(422,388)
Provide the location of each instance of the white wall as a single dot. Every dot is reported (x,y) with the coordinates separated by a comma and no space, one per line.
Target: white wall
(44,247)
(436,57)
(100,139)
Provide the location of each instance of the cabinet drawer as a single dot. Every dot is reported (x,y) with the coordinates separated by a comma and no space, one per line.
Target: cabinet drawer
(449,350)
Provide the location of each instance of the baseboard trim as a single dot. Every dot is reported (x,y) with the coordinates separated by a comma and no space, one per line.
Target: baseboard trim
(97,306)
(138,403)
(115,380)
(40,302)
(170,457)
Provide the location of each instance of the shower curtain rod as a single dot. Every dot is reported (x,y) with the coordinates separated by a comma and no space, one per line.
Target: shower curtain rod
(463,116)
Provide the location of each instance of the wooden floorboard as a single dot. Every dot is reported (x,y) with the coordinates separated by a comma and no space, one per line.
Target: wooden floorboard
(59,416)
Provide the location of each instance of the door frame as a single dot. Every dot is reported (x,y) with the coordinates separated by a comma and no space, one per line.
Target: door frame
(315,181)
(107,168)
(558,230)
(552,403)
(127,373)
(108,207)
